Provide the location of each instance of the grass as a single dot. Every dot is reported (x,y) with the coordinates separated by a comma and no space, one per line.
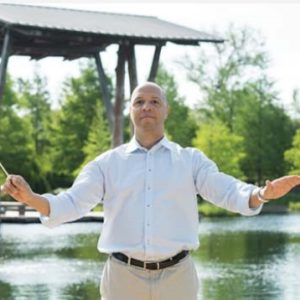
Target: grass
(294,206)
(98,208)
(209,210)
(286,200)
(292,201)
(204,208)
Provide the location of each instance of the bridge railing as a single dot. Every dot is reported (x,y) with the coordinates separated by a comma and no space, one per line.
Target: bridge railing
(21,208)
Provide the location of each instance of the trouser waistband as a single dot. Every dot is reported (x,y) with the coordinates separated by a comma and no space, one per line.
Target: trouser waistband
(151,265)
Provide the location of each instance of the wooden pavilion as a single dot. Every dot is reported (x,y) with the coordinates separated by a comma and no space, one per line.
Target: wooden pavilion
(40,32)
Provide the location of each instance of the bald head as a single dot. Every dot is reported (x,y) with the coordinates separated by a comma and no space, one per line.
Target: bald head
(148,109)
(149,87)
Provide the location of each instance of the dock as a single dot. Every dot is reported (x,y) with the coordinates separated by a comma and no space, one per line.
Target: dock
(14,212)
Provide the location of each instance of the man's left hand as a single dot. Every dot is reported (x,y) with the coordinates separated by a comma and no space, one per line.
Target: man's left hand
(279,187)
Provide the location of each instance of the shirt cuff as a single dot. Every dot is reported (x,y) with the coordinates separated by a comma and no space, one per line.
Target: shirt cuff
(51,220)
(246,210)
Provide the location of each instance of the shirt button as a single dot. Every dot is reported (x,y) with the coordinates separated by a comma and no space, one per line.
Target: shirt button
(149,188)
(149,170)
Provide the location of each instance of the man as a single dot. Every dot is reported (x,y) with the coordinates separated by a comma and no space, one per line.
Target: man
(148,188)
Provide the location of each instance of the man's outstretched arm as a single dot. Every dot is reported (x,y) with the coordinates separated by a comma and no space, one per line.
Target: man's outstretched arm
(274,189)
(20,190)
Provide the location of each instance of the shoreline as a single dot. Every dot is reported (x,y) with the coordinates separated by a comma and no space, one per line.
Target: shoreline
(34,218)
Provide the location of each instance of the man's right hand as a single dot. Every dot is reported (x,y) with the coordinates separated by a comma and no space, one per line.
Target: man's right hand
(17,187)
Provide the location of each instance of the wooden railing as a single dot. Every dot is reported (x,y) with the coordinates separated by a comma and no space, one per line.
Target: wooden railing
(6,206)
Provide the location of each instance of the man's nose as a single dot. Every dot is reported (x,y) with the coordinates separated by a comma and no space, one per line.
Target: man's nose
(147,106)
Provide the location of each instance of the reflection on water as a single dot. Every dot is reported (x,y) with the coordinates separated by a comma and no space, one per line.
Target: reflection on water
(239,258)
(38,263)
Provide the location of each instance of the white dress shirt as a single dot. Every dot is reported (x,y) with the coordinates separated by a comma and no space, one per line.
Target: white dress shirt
(149,198)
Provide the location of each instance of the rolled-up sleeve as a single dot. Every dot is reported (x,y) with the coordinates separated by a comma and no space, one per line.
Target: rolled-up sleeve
(86,192)
(221,189)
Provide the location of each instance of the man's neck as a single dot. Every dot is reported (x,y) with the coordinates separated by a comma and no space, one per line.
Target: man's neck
(148,140)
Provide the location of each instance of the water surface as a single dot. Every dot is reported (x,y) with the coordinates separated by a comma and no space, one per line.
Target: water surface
(239,258)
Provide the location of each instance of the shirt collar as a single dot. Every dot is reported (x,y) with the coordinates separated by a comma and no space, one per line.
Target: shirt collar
(134,145)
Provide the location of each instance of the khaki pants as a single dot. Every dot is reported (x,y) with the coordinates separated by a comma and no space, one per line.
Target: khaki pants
(122,282)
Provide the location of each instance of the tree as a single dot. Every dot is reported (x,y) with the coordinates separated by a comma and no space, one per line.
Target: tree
(222,146)
(292,156)
(180,125)
(239,93)
(36,108)
(16,147)
(267,131)
(223,70)
(295,111)
(99,138)
(81,96)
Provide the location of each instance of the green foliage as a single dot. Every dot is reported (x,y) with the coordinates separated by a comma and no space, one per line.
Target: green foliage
(35,104)
(294,207)
(267,132)
(98,208)
(180,125)
(296,107)
(238,92)
(16,147)
(99,139)
(292,156)
(222,146)
(207,209)
(47,146)
(292,196)
(225,69)
(81,96)
(35,98)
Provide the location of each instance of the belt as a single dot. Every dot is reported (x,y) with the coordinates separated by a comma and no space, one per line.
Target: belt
(151,265)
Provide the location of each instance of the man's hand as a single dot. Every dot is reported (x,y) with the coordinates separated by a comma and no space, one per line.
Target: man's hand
(274,189)
(17,187)
(279,187)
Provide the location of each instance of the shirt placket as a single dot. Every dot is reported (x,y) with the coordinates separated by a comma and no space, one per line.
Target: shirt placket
(149,200)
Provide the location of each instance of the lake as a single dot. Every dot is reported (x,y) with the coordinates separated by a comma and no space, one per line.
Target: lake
(239,258)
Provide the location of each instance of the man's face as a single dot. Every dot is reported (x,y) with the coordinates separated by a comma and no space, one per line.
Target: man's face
(148,108)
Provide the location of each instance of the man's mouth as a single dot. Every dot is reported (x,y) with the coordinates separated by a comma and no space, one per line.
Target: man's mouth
(147,117)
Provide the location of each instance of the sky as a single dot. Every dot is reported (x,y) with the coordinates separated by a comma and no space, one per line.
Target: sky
(278,23)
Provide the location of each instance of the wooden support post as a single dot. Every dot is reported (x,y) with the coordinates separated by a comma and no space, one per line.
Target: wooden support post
(4,61)
(132,71)
(119,99)
(105,93)
(155,63)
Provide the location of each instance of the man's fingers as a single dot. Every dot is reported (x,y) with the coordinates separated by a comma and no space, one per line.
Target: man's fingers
(16,180)
(10,189)
(268,182)
(10,185)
